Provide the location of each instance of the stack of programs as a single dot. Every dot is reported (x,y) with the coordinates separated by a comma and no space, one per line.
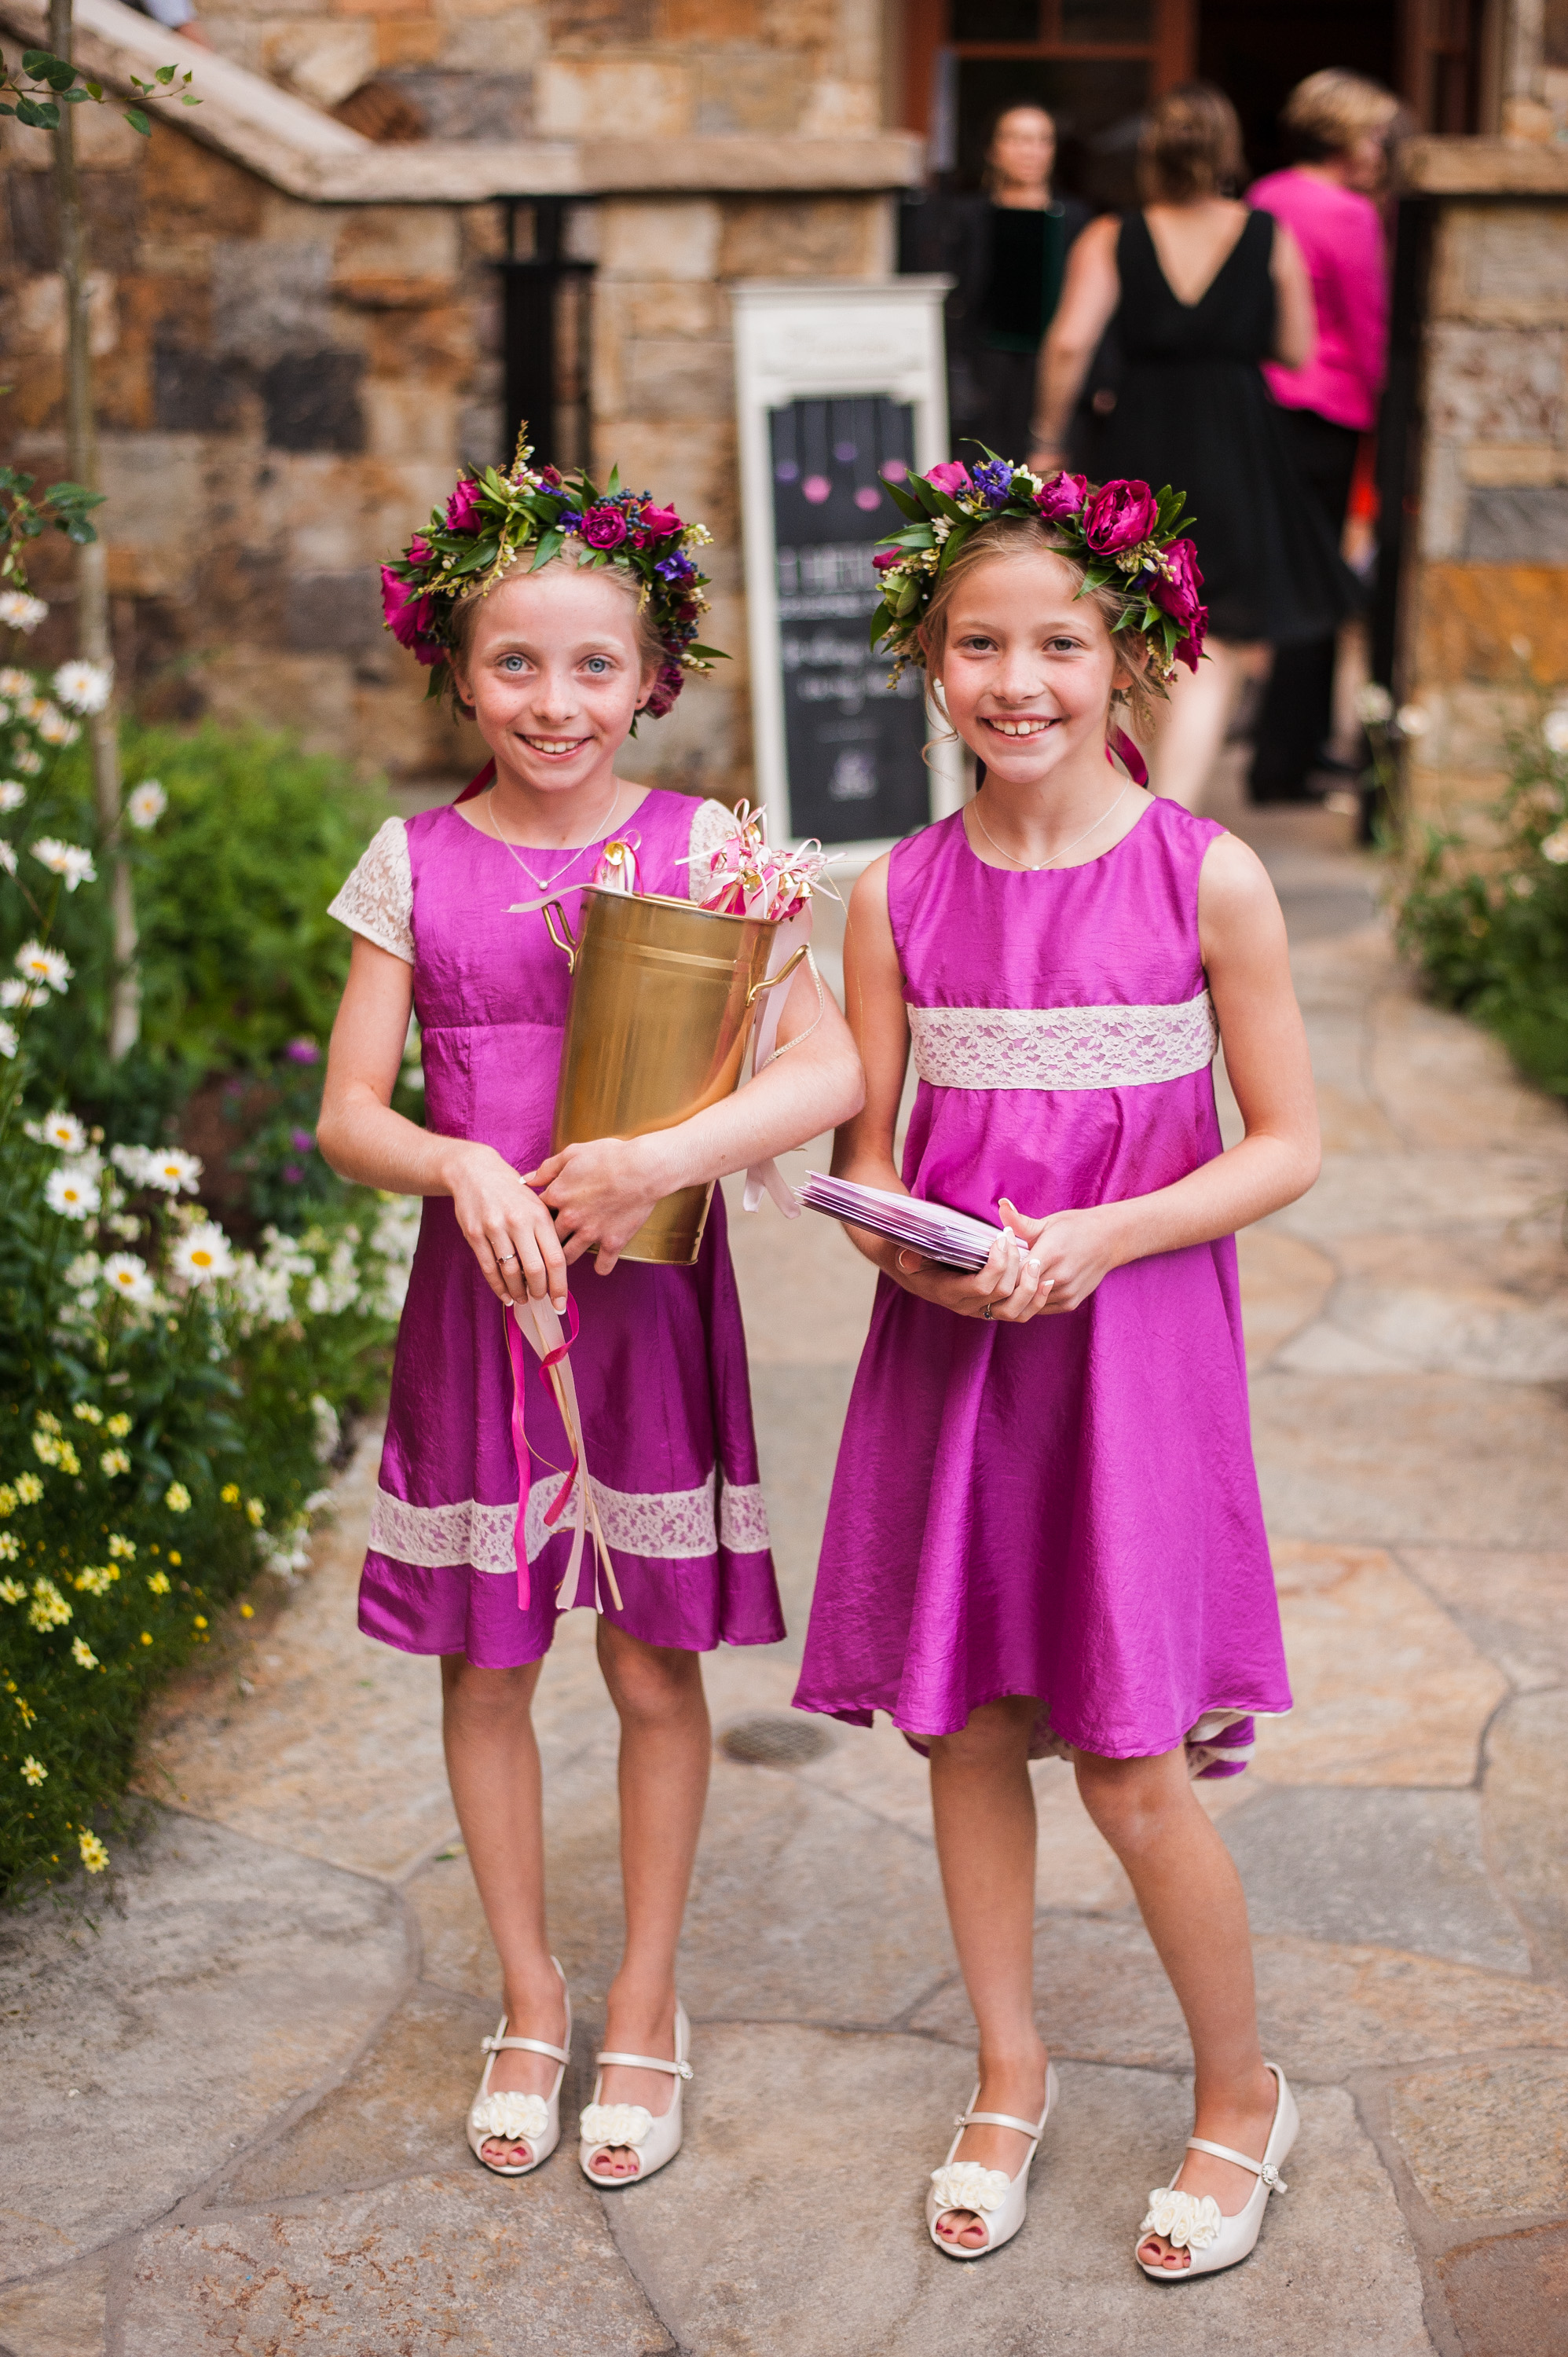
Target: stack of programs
(952,1238)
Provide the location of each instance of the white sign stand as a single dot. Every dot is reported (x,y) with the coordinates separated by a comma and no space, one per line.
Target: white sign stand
(813,339)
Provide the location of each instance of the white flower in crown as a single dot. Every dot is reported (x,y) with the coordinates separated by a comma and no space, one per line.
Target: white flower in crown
(72,1190)
(13,793)
(67,860)
(203,1253)
(127,1275)
(516,2118)
(37,965)
(964,2185)
(146,804)
(55,728)
(84,686)
(615,2123)
(20,612)
(1186,2222)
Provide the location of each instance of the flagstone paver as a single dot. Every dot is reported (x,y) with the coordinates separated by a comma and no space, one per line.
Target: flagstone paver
(272,2016)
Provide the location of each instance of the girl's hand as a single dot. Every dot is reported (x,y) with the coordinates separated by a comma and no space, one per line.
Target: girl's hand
(1008,1291)
(508,1228)
(601,1193)
(1073,1250)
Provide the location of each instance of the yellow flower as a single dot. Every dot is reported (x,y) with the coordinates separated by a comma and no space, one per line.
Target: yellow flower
(176,1498)
(10,1546)
(200,1621)
(123,1550)
(146,1638)
(48,1608)
(28,1489)
(118,1427)
(46,1422)
(174,1555)
(114,1460)
(230,1494)
(158,1583)
(26,1710)
(33,1770)
(8,1498)
(46,1447)
(95,1856)
(68,1459)
(86,1412)
(83,1655)
(97,1578)
(257,1511)
(247,1612)
(12,1591)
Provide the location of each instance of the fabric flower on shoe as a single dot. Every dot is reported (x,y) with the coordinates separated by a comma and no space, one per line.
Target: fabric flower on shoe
(613,2123)
(964,2185)
(1186,2222)
(515,2117)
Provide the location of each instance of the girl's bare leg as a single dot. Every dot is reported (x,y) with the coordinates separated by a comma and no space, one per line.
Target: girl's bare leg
(665,1748)
(492,1761)
(1191,729)
(984,1804)
(1192,1903)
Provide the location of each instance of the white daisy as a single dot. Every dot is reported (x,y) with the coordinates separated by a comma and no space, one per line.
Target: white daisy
(61,1129)
(1555,847)
(67,860)
(1554,728)
(37,965)
(20,612)
(7,856)
(29,762)
(84,686)
(126,1275)
(170,1169)
(14,683)
(202,1254)
(13,793)
(1411,721)
(55,728)
(73,1191)
(7,1037)
(18,994)
(146,804)
(1374,704)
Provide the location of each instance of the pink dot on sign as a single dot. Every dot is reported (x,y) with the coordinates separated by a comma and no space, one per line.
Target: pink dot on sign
(869,497)
(817,488)
(895,470)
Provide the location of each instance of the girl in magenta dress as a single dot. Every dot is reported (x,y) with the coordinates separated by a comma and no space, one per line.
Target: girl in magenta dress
(557,614)
(1044,1530)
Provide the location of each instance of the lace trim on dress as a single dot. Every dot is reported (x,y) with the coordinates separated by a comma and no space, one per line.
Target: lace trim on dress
(678,1525)
(378,898)
(1062,1047)
(712,824)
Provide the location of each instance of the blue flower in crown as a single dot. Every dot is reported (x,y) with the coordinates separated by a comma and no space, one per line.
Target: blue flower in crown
(993,481)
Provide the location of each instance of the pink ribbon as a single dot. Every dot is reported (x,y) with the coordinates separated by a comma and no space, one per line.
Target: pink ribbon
(536,1321)
(766,1177)
(1133,761)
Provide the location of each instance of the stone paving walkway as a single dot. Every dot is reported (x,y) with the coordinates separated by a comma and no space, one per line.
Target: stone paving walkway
(234,2084)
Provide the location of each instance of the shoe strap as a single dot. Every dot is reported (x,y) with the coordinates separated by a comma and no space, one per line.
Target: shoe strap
(1226,2152)
(999,2120)
(648,2062)
(530,2045)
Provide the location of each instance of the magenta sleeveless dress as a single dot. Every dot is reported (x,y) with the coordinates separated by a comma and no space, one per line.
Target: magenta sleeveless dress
(1067,1509)
(659,1359)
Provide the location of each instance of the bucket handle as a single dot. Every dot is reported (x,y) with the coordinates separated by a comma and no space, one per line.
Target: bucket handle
(785,971)
(568,948)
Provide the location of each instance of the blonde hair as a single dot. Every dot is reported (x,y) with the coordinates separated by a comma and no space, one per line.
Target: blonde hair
(1012,536)
(1190,145)
(650,648)
(1332,112)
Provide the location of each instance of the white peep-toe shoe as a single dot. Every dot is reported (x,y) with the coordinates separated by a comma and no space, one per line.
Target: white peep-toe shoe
(654,2140)
(1200,2226)
(998,2201)
(515,2117)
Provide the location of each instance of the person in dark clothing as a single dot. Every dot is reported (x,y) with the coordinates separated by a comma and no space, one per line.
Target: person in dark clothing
(1007,250)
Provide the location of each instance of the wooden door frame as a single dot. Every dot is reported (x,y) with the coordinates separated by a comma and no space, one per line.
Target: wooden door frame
(1174,51)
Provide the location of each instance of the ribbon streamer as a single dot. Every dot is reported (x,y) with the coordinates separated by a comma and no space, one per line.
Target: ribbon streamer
(537,1323)
(766,1177)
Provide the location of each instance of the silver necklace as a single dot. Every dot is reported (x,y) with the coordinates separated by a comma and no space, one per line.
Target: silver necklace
(1034,870)
(542,883)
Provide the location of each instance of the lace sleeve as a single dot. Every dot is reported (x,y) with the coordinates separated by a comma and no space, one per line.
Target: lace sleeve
(710,823)
(378,899)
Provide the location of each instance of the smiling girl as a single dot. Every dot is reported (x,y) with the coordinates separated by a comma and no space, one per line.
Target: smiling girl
(557,616)
(1045,1533)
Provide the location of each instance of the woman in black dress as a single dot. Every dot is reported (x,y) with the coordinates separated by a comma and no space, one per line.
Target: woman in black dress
(1202,291)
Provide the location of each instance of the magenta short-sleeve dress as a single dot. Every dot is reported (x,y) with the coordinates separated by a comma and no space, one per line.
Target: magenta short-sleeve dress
(1067,1509)
(659,1359)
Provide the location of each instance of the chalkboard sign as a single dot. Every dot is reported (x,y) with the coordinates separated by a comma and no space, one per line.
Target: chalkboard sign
(852,749)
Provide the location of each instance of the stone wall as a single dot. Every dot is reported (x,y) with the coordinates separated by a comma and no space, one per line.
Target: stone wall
(285,388)
(1484,611)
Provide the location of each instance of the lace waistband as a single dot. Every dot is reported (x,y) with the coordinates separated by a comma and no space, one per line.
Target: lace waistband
(1062,1047)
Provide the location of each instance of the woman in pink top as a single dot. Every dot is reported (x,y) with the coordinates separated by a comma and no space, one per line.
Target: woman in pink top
(1339,127)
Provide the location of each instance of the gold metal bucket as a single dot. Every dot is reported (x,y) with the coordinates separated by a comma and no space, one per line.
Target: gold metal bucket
(662,1002)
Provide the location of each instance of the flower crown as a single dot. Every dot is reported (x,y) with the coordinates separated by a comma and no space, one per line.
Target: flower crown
(1123,535)
(491,518)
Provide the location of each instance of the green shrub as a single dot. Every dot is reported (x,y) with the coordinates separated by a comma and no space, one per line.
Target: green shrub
(1494,943)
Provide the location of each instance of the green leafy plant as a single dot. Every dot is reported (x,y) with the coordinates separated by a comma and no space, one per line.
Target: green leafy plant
(1492,938)
(36,91)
